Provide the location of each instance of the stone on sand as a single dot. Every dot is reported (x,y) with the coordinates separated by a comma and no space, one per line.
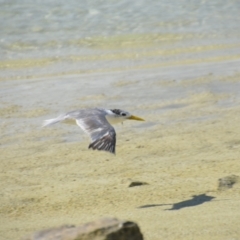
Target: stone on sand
(102,229)
(137,183)
(227,182)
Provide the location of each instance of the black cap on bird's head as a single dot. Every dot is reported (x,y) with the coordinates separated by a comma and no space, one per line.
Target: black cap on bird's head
(126,114)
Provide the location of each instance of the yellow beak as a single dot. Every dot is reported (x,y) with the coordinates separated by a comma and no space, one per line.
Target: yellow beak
(135,118)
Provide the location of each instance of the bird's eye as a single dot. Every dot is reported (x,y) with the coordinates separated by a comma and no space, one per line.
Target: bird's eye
(123,114)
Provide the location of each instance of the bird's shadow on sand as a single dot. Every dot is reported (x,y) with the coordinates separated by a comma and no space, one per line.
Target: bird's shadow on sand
(194,201)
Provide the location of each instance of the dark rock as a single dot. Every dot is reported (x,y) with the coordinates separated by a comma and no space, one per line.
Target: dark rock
(102,229)
(227,182)
(137,183)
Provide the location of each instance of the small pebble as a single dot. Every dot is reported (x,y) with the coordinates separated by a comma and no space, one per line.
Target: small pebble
(137,183)
(227,182)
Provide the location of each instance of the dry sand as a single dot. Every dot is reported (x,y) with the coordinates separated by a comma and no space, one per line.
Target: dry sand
(189,141)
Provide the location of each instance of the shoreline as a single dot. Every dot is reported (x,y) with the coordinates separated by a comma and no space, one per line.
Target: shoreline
(189,141)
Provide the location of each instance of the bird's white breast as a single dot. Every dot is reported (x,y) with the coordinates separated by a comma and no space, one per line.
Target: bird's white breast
(113,119)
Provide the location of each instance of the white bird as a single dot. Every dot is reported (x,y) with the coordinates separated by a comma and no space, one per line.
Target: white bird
(96,123)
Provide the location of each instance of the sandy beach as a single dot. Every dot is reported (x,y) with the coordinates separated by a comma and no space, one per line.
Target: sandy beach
(180,74)
(188,142)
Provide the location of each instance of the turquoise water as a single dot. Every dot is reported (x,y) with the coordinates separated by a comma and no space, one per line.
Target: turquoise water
(118,51)
(41,21)
(34,29)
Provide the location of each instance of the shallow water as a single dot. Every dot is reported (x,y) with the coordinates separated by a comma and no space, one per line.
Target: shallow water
(43,38)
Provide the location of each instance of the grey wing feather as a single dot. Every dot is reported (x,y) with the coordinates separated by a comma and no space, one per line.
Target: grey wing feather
(106,141)
(94,123)
(77,114)
(102,134)
(70,115)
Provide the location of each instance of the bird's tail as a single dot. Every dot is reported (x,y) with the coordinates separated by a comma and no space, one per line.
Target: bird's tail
(54,120)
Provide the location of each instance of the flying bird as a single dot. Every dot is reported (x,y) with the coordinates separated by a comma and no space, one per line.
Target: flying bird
(96,123)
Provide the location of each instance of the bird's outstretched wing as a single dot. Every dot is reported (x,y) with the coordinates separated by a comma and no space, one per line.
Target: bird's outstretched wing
(102,134)
(94,123)
(106,141)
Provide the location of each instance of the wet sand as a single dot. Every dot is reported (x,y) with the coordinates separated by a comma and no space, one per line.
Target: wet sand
(190,139)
